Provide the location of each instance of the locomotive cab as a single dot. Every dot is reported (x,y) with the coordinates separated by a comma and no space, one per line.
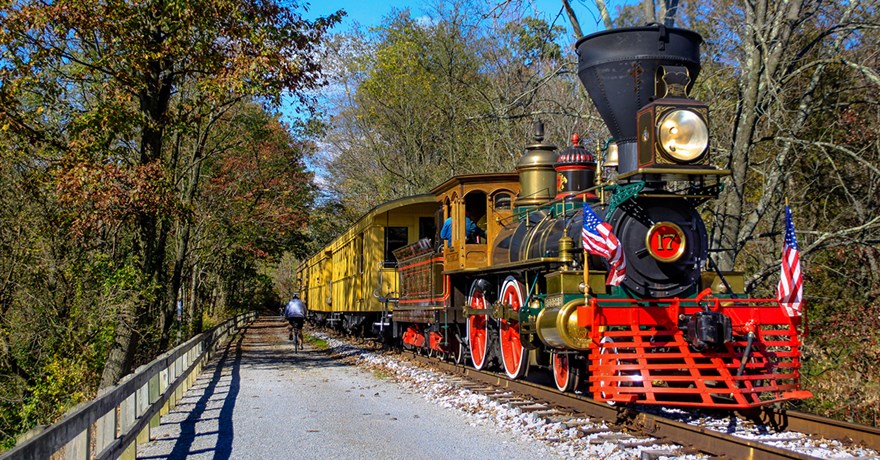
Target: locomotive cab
(482,201)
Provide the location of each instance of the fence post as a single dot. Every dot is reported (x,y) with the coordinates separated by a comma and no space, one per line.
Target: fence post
(163,387)
(105,427)
(127,419)
(177,391)
(143,403)
(78,447)
(153,394)
(186,362)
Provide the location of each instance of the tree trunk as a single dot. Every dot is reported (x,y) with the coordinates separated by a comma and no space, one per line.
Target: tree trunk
(154,103)
(173,286)
(121,353)
(195,301)
(182,246)
(194,166)
(761,67)
(649,11)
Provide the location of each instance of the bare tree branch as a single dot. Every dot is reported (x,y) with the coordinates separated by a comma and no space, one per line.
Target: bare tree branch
(868,72)
(575,24)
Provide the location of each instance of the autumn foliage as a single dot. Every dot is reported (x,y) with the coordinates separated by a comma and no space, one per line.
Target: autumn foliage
(142,165)
(102,195)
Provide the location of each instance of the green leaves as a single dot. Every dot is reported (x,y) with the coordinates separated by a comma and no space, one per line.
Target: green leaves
(127,130)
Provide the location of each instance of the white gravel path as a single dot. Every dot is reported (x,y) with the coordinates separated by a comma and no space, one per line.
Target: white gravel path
(264,403)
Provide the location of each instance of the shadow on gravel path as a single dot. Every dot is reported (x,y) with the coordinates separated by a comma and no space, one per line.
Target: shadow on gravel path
(209,405)
(225,432)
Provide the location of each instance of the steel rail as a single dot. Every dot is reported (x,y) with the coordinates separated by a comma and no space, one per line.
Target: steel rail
(820,426)
(690,436)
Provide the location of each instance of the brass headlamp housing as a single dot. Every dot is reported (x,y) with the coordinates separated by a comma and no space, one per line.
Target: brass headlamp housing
(673,132)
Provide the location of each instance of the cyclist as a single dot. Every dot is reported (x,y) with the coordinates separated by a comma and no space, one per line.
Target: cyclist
(295,313)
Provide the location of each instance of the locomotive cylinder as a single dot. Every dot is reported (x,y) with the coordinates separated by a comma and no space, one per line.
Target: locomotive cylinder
(558,327)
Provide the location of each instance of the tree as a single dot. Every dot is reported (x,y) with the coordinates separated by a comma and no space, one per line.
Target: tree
(419,101)
(117,73)
(803,64)
(400,124)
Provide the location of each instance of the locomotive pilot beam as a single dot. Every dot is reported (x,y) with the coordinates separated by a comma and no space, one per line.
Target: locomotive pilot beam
(510,287)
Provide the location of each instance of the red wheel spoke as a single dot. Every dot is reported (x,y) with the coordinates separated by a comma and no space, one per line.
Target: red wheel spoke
(513,354)
(478,330)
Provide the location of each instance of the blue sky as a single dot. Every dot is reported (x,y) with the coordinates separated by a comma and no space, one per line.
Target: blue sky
(370,12)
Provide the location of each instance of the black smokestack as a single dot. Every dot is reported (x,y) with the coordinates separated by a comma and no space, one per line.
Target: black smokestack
(619,67)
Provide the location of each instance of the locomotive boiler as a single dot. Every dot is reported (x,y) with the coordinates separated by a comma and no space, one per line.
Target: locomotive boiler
(525,293)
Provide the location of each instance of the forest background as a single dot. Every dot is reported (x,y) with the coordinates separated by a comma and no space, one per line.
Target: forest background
(145,166)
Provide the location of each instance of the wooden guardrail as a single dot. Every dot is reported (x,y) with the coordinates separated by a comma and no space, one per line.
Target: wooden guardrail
(108,426)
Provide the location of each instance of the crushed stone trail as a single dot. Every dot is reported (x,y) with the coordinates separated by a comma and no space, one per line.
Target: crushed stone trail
(257,399)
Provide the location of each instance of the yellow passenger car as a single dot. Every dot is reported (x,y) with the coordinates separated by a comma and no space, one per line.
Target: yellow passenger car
(347,283)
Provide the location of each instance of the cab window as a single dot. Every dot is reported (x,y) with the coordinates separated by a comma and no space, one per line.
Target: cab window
(502,202)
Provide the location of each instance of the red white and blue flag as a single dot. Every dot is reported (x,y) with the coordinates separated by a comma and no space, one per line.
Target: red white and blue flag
(599,240)
(791,280)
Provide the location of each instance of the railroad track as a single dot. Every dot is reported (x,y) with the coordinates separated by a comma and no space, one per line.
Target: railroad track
(559,407)
(628,423)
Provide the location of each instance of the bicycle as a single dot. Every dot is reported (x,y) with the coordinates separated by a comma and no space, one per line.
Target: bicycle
(296,336)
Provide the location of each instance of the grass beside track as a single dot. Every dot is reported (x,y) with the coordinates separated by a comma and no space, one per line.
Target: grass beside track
(320,344)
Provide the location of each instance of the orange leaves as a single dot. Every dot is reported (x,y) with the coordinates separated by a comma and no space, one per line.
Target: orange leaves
(262,183)
(853,123)
(99,195)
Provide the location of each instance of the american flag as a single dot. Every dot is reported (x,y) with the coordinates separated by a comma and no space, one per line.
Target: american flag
(599,240)
(791,280)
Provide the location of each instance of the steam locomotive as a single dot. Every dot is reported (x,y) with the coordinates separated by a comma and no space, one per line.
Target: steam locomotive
(521,292)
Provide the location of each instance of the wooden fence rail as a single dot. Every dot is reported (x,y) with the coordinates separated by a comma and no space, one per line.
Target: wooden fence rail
(108,426)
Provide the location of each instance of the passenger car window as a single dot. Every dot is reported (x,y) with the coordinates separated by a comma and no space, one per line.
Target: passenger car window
(395,238)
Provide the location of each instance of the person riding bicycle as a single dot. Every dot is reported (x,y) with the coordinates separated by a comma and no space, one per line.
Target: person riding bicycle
(295,313)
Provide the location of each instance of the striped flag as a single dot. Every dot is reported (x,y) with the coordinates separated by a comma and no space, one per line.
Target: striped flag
(791,280)
(599,240)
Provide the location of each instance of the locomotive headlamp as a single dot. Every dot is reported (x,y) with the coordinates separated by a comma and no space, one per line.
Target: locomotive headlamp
(673,133)
(683,135)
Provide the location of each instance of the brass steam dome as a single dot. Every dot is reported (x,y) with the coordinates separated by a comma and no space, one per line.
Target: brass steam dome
(537,176)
